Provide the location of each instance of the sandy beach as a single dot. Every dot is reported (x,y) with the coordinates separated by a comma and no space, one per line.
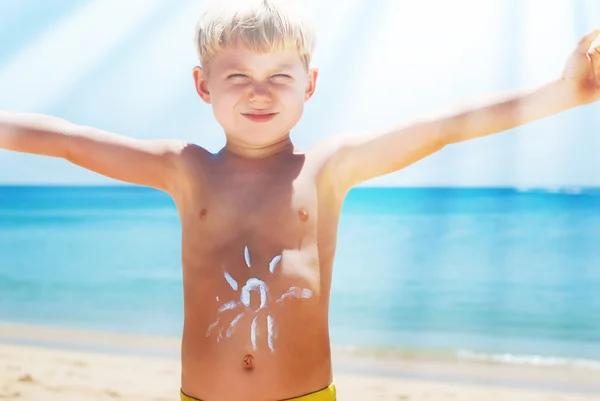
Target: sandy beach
(91,366)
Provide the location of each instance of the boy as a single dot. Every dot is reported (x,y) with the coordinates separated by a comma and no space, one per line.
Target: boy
(259,218)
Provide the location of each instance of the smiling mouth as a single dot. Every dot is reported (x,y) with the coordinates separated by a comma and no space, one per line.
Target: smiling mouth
(259,117)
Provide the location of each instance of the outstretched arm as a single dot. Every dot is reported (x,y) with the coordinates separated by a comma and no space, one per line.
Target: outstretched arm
(361,158)
(149,163)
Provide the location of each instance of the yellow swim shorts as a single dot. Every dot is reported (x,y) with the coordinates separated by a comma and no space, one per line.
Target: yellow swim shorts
(327,394)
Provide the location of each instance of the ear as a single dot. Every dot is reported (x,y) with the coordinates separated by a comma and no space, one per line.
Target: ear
(201,84)
(313,74)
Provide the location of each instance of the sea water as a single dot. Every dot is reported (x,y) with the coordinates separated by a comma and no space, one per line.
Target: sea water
(486,273)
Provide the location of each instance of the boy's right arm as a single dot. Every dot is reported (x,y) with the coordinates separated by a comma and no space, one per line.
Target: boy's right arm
(151,163)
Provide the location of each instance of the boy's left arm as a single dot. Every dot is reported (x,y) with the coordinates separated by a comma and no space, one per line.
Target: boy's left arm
(362,158)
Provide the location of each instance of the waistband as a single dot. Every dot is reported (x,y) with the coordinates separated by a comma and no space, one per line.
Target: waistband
(327,394)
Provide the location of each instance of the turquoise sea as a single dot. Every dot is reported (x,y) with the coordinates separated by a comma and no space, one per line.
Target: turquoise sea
(490,273)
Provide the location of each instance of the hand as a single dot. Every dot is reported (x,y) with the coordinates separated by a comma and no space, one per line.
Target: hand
(582,70)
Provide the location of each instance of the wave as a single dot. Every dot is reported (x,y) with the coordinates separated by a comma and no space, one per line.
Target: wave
(534,360)
(531,360)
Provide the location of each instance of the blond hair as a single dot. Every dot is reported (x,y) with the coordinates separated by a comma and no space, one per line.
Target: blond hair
(262,25)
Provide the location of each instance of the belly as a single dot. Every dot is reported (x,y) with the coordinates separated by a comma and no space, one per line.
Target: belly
(247,353)
(256,327)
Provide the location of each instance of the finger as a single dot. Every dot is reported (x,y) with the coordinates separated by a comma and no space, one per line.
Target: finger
(595,57)
(586,41)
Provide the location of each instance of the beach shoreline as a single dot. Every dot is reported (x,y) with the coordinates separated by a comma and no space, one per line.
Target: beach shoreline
(31,353)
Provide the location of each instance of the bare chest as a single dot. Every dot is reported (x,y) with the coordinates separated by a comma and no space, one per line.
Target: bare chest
(268,212)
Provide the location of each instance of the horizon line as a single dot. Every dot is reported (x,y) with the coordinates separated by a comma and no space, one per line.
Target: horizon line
(515,187)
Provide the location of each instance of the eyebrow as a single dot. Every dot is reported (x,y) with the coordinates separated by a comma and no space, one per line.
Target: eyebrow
(238,67)
(285,66)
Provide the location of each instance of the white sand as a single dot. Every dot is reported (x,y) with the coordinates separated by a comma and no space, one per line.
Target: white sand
(29,373)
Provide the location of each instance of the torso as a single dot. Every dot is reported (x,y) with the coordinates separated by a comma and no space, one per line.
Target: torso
(258,247)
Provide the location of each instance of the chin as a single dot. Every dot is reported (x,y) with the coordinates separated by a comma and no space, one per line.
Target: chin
(262,140)
(262,135)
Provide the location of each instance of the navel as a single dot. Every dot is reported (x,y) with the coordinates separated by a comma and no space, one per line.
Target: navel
(249,362)
(303,214)
(202,215)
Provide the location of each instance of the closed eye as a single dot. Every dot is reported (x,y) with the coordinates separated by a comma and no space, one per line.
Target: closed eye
(280,79)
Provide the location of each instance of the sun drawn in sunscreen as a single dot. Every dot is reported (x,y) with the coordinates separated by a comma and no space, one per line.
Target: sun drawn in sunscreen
(243,305)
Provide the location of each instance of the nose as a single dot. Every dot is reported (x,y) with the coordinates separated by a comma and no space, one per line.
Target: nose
(260,93)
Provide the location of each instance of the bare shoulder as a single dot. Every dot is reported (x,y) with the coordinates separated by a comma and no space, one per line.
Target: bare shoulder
(192,154)
(325,151)
(358,157)
(330,150)
(188,160)
(326,157)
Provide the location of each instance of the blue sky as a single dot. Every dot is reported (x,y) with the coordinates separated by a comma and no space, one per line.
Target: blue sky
(125,66)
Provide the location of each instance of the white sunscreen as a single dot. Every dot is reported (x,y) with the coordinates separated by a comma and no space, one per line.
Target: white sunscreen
(258,285)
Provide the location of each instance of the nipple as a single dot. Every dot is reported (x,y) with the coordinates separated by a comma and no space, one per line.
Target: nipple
(249,362)
(303,214)
(203,214)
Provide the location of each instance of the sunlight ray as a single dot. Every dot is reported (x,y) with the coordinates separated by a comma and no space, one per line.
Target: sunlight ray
(44,69)
(154,73)
(128,65)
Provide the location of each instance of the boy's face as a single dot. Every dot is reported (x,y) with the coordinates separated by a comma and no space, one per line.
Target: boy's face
(256,97)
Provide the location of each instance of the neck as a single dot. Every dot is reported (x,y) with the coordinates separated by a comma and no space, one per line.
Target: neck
(255,152)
